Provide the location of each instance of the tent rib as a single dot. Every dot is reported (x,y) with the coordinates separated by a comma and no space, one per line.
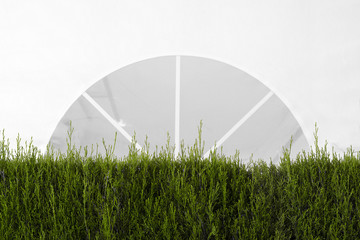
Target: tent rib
(177,106)
(240,122)
(109,118)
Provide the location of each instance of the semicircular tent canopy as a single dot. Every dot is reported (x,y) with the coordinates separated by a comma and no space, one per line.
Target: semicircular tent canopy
(171,95)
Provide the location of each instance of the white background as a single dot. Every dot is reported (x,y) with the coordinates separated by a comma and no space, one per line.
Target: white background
(307,52)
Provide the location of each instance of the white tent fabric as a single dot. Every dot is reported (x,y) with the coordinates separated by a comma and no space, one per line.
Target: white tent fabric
(306,52)
(171,95)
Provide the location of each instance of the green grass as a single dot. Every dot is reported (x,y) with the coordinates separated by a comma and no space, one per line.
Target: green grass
(82,195)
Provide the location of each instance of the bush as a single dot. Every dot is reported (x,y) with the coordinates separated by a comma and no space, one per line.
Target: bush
(81,195)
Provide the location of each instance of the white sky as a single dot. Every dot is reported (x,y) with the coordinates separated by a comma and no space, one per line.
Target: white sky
(308,52)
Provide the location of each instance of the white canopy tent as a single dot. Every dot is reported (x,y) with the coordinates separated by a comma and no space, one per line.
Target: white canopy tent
(171,95)
(307,53)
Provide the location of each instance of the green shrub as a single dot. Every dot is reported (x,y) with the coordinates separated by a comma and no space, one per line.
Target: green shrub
(82,195)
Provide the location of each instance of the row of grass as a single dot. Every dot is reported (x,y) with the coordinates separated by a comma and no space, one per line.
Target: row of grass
(82,195)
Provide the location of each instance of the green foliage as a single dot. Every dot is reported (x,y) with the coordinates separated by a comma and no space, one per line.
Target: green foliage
(161,196)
